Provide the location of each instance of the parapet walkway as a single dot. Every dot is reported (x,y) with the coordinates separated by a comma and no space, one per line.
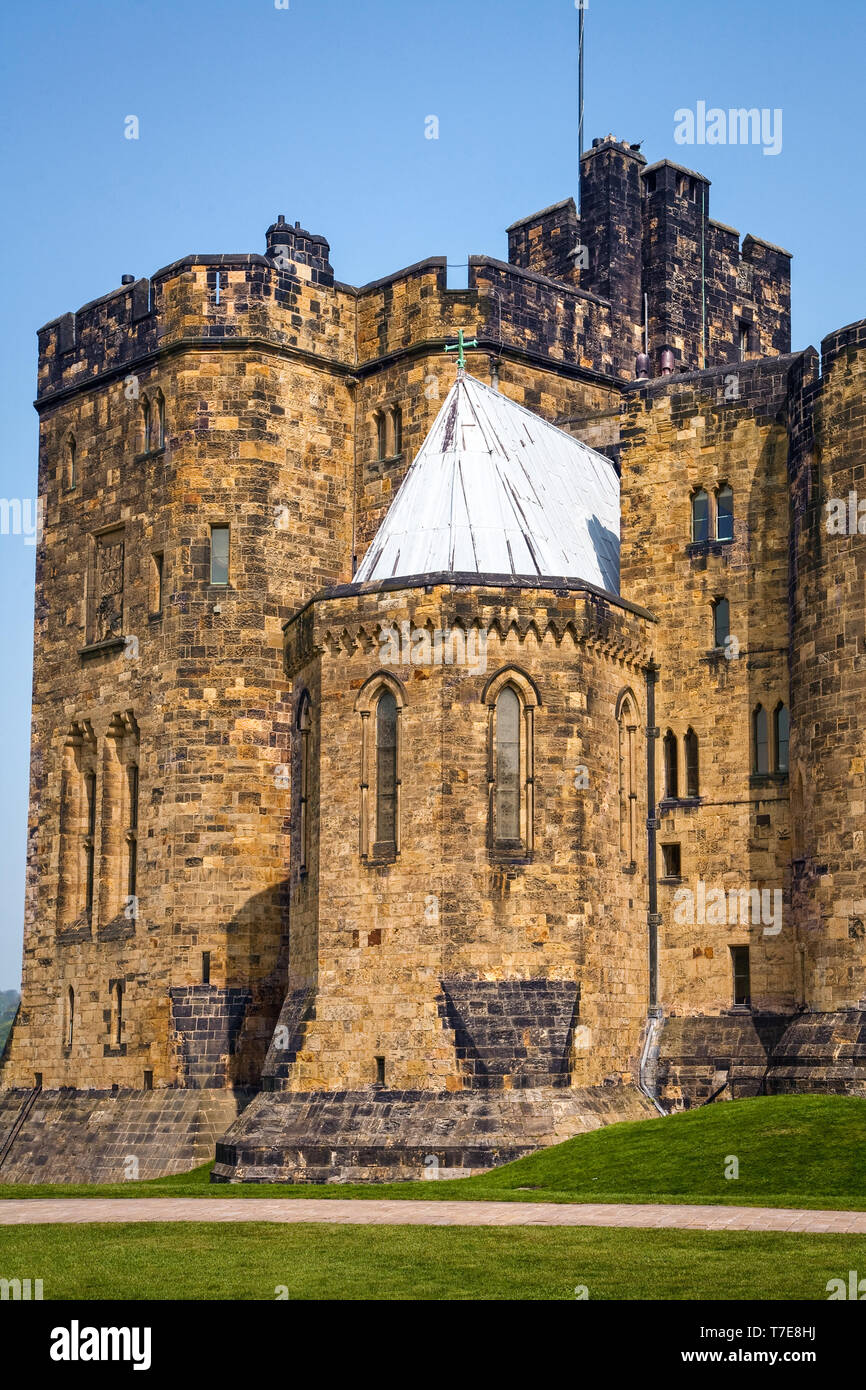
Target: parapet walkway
(407,1212)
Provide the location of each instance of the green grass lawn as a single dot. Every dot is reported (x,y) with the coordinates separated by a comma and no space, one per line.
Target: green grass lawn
(251,1260)
(799,1151)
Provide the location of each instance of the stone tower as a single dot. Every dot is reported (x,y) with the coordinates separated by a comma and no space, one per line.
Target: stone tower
(219,446)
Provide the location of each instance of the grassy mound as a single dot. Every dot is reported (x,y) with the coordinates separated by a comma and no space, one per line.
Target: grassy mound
(793,1146)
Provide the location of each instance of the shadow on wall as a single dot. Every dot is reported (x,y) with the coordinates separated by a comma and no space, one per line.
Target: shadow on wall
(222,1031)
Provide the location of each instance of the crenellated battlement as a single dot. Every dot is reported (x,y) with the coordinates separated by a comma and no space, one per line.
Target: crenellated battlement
(643,264)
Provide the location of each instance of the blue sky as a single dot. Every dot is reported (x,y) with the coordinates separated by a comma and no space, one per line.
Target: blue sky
(318,111)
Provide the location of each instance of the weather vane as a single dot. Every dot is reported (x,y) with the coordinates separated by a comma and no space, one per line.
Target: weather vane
(459,347)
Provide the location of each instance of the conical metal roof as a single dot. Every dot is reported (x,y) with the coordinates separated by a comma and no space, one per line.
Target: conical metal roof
(496,490)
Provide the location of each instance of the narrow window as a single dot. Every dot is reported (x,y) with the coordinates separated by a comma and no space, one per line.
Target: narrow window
(725,513)
(116,1013)
(70,1016)
(205,967)
(304,790)
(132,829)
(742,986)
(219,555)
(148,1080)
(147,422)
(156,576)
(743,341)
(671,766)
(89,839)
(77,755)
(627,792)
(386,773)
(671,861)
(380,1071)
(158,424)
(781,737)
(760,748)
(691,746)
(700,516)
(397,429)
(71,465)
(381,435)
(721,622)
(507,772)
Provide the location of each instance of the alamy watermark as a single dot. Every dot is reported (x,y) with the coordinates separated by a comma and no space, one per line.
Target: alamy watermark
(735,126)
(21,1290)
(440,646)
(854,1289)
(846,516)
(23,516)
(729,907)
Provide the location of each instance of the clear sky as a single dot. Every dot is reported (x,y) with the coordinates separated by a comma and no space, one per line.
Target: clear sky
(318,111)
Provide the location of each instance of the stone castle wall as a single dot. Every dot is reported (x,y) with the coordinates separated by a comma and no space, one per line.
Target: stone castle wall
(828,670)
(377,939)
(272,375)
(681,434)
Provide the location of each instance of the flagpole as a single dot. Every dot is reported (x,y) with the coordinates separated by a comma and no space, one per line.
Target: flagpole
(580,80)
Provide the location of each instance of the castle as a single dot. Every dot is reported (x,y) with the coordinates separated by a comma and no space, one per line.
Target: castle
(379,830)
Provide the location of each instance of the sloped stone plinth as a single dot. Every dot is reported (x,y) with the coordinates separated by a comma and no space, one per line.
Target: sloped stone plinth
(378,1135)
(93,1136)
(821,1052)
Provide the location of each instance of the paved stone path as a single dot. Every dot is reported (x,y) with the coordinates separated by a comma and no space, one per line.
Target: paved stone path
(45,1210)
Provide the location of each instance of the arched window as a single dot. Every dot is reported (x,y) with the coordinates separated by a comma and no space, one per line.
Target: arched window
(75,888)
(700,516)
(69,1030)
(381,434)
(627,720)
(511,699)
(158,421)
(119,797)
(131,828)
(669,744)
(304,725)
(725,513)
(506,810)
(760,746)
(781,737)
(690,743)
(116,1013)
(397,430)
(71,463)
(147,423)
(721,622)
(89,841)
(380,704)
(386,773)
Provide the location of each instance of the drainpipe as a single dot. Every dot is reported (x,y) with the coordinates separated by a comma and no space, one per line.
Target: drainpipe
(650,1045)
(654,1012)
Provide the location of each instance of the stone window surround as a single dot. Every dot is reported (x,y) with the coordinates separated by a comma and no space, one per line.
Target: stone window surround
(530,700)
(627,706)
(365,705)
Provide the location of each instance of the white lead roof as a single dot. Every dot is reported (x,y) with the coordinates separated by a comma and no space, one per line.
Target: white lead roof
(496,490)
